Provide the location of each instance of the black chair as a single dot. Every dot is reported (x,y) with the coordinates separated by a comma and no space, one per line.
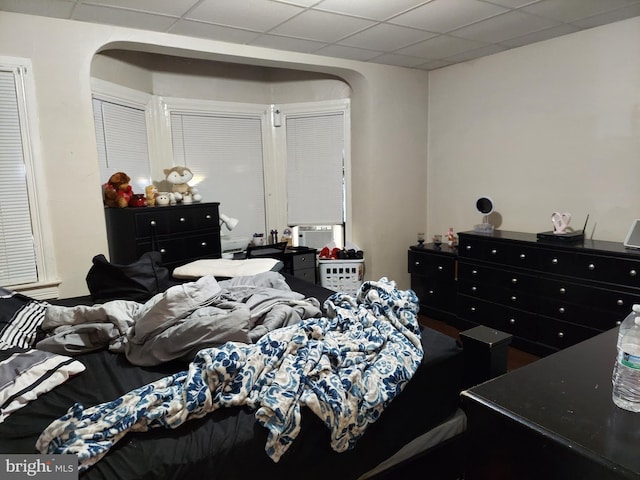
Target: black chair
(274,250)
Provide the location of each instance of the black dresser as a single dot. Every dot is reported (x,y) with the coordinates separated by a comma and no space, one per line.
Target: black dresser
(548,294)
(181,233)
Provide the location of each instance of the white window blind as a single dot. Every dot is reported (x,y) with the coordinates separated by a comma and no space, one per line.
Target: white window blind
(121,134)
(315,169)
(17,253)
(225,154)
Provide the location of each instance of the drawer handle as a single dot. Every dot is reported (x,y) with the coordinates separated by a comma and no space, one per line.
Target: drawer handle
(620,302)
(208,217)
(440,268)
(554,261)
(633,273)
(430,292)
(474,289)
(514,280)
(468,247)
(563,290)
(494,251)
(560,334)
(182,219)
(512,321)
(203,244)
(474,272)
(473,309)
(152,223)
(591,266)
(417,263)
(561,310)
(162,250)
(514,298)
(522,256)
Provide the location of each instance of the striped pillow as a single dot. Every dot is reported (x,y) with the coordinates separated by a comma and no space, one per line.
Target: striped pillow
(25,374)
(20,317)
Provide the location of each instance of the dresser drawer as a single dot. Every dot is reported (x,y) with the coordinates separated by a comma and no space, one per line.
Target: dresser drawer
(616,302)
(558,334)
(440,266)
(433,293)
(304,260)
(579,314)
(509,279)
(308,274)
(517,322)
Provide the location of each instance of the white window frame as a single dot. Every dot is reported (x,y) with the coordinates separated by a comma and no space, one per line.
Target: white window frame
(46,285)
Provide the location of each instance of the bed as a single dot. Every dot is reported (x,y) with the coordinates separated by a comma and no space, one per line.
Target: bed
(418,425)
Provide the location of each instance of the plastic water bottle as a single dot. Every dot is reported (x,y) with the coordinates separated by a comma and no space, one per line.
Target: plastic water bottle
(626,372)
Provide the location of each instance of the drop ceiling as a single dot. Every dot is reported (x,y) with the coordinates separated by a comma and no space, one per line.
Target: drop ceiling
(409,33)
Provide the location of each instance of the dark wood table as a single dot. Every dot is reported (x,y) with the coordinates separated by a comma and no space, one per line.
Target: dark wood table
(553,419)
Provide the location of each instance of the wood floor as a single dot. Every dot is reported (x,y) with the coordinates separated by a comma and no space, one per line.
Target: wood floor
(516,358)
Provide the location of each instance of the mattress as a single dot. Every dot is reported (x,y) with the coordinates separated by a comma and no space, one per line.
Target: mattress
(229,444)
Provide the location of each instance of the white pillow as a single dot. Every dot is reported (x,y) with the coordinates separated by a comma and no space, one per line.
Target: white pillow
(223,267)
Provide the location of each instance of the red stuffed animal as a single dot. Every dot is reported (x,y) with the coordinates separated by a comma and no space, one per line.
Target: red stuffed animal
(117,191)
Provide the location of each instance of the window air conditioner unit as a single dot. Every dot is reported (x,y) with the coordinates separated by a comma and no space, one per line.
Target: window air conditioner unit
(315,236)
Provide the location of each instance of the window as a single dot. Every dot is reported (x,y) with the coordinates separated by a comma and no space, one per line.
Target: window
(225,154)
(26,259)
(121,135)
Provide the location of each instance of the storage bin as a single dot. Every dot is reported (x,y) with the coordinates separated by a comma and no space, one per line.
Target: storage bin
(342,275)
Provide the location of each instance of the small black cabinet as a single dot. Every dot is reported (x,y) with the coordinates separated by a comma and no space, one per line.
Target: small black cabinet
(433,279)
(181,233)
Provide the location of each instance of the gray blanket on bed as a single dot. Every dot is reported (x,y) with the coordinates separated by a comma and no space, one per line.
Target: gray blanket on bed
(179,322)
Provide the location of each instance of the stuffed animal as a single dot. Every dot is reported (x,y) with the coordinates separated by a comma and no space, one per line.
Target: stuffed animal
(179,178)
(117,191)
(151,192)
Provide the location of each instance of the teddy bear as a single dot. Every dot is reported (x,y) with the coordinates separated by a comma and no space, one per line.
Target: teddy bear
(150,193)
(117,192)
(179,177)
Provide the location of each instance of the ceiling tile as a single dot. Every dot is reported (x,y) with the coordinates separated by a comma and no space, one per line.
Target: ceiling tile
(609,17)
(287,43)
(506,26)
(123,18)
(386,37)
(49,8)
(441,46)
(540,35)
(321,26)
(514,3)
(259,15)
(571,10)
(399,60)
(213,32)
(176,8)
(432,65)
(442,16)
(300,3)
(374,9)
(476,53)
(350,53)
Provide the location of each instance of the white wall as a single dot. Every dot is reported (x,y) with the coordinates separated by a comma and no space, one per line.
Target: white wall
(389,121)
(553,126)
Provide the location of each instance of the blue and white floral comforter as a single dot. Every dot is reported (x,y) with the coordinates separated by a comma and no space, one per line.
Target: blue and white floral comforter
(346,368)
